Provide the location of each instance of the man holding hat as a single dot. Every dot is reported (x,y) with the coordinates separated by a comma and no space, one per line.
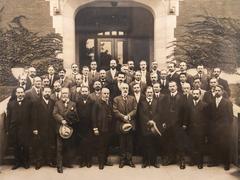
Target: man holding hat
(64,113)
(124,108)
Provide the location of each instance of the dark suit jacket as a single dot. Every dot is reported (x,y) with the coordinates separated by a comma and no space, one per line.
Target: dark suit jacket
(67,82)
(92,78)
(102,115)
(74,95)
(143,87)
(29,83)
(93,96)
(60,112)
(42,119)
(204,81)
(32,95)
(164,89)
(55,78)
(122,108)
(19,120)
(225,85)
(146,113)
(174,77)
(115,91)
(109,76)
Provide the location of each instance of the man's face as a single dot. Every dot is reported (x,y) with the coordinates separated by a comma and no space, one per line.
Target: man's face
(143,65)
(113,64)
(163,75)
(124,69)
(22,80)
(37,82)
(136,88)
(97,85)
(65,94)
(216,72)
(120,78)
(131,65)
(197,83)
(78,80)
(124,90)
(183,78)
(154,78)
(149,93)
(171,67)
(186,89)
(196,94)
(84,92)
(46,93)
(93,65)
(183,66)
(137,76)
(105,94)
(51,70)
(200,69)
(172,87)
(154,65)
(218,92)
(85,71)
(20,93)
(75,68)
(156,88)
(45,82)
(102,74)
(32,72)
(57,87)
(61,74)
(213,83)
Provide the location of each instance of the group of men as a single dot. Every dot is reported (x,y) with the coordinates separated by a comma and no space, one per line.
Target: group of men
(165,113)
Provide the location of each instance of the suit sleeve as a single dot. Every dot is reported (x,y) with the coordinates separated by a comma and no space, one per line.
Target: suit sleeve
(95,112)
(116,112)
(134,111)
(57,116)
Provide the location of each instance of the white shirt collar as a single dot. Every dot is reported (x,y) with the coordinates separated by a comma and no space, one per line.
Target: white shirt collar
(174,94)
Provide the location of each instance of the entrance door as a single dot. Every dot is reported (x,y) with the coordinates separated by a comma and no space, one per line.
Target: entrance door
(112,48)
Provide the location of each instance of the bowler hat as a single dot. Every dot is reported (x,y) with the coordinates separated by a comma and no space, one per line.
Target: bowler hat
(125,127)
(65,131)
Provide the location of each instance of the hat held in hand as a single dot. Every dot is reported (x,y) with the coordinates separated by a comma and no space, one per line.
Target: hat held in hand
(65,131)
(126,127)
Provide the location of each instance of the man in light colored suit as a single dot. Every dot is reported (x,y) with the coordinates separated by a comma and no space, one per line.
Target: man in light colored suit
(34,93)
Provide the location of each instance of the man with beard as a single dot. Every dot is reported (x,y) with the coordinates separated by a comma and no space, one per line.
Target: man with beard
(18,128)
(221,118)
(43,126)
(124,108)
(63,109)
(56,95)
(216,73)
(97,86)
(195,123)
(102,124)
(75,90)
(112,73)
(84,127)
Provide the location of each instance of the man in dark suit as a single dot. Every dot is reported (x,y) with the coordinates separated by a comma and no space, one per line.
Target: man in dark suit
(103,79)
(221,118)
(148,112)
(203,77)
(93,74)
(154,69)
(137,79)
(173,75)
(116,85)
(173,136)
(131,67)
(112,73)
(164,82)
(63,111)
(75,90)
(51,76)
(137,91)
(34,93)
(96,94)
(157,92)
(56,93)
(84,110)
(124,108)
(195,122)
(43,126)
(197,85)
(18,128)
(145,75)
(72,76)
(128,76)
(102,124)
(216,73)
(153,79)
(183,69)
(64,80)
(31,75)
(22,82)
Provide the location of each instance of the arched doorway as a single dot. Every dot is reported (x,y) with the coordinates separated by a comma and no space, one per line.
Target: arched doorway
(122,33)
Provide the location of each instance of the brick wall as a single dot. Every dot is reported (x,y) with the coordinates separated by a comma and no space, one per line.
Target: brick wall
(36,11)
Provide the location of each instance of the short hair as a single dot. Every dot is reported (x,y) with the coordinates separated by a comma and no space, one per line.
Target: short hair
(220,86)
(84,67)
(183,74)
(149,87)
(135,83)
(19,87)
(73,64)
(200,92)
(121,73)
(84,87)
(64,70)
(173,82)
(186,84)
(157,84)
(46,87)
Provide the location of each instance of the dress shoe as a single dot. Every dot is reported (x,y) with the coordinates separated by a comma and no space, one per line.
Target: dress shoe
(182,165)
(144,165)
(60,170)
(200,166)
(130,163)
(89,165)
(82,164)
(38,166)
(26,166)
(156,165)
(226,167)
(101,166)
(121,164)
(16,166)
(51,165)
(108,164)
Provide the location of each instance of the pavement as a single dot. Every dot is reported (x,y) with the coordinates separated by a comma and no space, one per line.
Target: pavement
(126,173)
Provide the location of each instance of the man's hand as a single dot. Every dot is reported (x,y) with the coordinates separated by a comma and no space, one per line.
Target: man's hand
(164,125)
(126,118)
(64,122)
(35,132)
(96,132)
(184,127)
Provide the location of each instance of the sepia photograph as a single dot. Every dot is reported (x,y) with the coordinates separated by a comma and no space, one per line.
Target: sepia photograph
(120,89)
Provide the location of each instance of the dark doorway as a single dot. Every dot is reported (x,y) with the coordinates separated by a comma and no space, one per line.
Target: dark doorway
(121,33)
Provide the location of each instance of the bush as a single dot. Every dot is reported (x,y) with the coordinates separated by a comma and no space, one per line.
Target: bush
(41,65)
